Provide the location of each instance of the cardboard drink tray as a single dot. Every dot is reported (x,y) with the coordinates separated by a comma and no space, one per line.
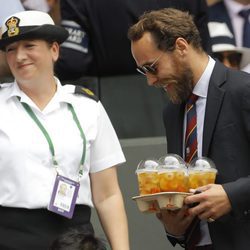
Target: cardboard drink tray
(152,203)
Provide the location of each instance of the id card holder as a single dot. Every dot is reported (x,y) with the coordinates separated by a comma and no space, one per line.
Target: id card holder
(64,195)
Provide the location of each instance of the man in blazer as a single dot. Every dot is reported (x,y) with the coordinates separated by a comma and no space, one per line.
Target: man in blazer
(166,47)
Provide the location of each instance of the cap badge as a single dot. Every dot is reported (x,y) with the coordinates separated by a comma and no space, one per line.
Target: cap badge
(12,26)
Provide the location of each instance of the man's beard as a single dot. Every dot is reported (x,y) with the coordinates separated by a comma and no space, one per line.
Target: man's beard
(180,86)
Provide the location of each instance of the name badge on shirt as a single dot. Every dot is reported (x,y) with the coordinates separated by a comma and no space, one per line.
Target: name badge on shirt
(64,195)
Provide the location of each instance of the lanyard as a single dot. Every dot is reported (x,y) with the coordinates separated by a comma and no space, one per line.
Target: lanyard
(46,135)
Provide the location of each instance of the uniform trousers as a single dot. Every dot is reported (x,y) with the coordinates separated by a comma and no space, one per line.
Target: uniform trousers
(35,229)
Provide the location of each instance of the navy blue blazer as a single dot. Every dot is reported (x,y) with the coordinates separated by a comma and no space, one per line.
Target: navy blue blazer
(226,140)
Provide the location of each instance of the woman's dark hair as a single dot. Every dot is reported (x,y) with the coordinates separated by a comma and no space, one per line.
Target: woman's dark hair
(78,240)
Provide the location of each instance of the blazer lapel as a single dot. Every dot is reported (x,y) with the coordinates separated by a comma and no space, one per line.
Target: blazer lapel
(214,101)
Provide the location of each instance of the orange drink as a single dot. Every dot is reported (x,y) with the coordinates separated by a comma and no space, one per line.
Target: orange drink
(148,182)
(175,180)
(198,178)
(172,174)
(201,172)
(147,177)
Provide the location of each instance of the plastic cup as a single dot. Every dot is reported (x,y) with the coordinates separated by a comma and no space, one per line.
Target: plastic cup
(172,174)
(148,177)
(202,172)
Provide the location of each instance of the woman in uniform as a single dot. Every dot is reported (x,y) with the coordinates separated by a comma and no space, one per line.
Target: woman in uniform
(52,136)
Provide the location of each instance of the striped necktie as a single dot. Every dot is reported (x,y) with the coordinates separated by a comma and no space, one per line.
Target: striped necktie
(246,28)
(194,233)
(191,129)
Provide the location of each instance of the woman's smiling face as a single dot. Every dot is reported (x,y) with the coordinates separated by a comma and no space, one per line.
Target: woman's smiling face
(29,59)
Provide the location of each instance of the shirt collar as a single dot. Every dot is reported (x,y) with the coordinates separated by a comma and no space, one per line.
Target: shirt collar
(15,90)
(201,87)
(234,7)
(61,94)
(64,93)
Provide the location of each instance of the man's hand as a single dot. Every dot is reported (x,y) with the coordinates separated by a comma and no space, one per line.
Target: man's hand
(175,222)
(212,202)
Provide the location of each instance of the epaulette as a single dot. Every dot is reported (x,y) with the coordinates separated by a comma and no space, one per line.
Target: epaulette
(86,92)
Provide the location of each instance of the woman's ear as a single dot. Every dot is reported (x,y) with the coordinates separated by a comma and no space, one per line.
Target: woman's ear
(55,51)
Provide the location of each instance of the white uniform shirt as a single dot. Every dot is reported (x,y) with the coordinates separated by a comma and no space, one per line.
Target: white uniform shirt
(26,169)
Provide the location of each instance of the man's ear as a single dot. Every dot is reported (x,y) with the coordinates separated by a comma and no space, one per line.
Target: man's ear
(181,45)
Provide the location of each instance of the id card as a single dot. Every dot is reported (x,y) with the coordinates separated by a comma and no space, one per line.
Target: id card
(64,195)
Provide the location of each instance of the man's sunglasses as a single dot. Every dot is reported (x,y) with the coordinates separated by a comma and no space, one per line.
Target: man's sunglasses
(234,58)
(149,68)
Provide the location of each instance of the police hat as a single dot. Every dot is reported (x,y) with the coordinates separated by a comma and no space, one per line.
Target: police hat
(31,25)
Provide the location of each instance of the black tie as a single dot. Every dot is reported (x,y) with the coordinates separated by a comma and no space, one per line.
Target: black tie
(246,28)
